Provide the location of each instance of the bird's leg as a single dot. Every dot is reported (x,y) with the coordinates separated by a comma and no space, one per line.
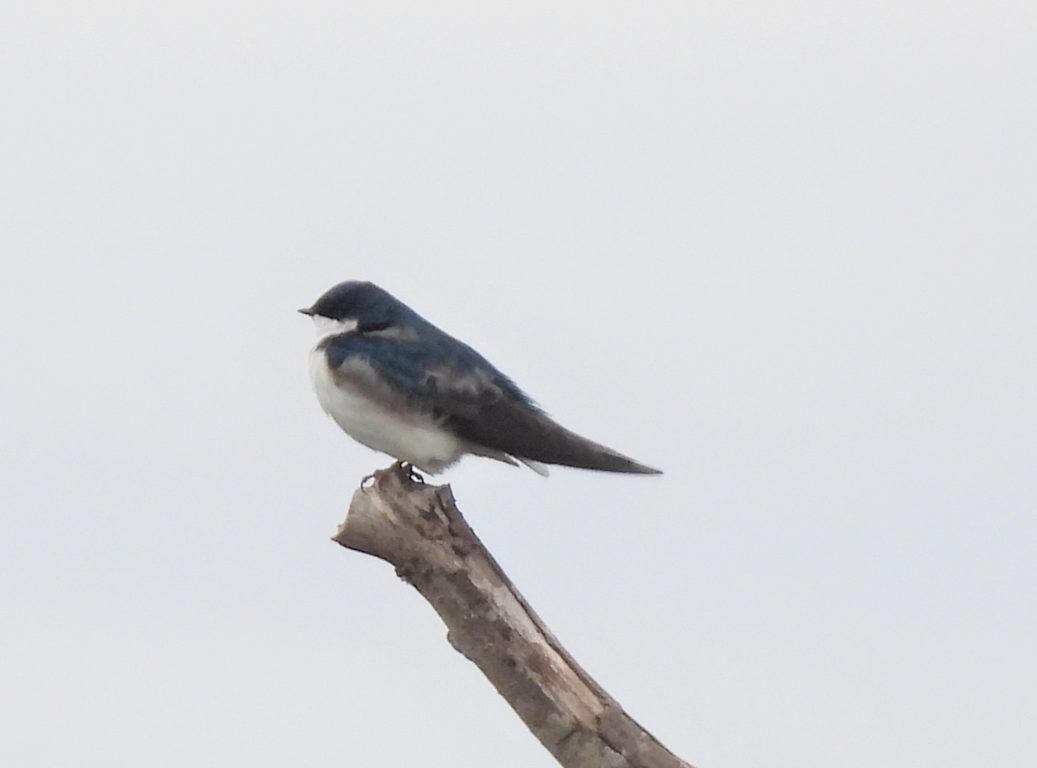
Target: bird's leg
(402,468)
(409,471)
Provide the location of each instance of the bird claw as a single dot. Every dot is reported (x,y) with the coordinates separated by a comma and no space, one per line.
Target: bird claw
(410,472)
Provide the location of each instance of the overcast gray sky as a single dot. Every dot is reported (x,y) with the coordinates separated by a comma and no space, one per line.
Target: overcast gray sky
(786,252)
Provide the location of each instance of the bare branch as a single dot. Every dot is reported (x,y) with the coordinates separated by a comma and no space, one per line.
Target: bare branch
(419,529)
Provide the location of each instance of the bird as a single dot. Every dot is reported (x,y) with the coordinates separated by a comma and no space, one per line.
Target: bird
(397,384)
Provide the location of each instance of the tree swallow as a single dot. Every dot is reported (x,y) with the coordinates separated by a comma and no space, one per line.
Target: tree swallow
(396,383)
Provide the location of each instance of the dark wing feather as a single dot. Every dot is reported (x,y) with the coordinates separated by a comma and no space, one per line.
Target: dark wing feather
(419,375)
(475,400)
(521,430)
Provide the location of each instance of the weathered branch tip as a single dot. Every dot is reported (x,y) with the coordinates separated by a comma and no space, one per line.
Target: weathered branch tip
(417,527)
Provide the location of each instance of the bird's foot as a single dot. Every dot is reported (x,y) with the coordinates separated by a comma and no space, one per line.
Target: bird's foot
(409,471)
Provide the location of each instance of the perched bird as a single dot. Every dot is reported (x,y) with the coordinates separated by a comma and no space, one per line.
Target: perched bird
(398,384)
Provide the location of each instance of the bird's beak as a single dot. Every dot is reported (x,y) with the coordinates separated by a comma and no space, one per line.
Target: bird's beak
(307,311)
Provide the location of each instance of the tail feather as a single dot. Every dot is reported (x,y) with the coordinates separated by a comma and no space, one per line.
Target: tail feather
(586,454)
(531,436)
(536,466)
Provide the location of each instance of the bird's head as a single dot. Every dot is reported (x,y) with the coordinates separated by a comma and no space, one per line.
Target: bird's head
(361,307)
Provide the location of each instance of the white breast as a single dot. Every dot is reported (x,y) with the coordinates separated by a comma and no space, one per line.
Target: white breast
(410,437)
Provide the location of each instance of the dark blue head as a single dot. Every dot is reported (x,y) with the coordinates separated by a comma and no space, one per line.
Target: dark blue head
(369,305)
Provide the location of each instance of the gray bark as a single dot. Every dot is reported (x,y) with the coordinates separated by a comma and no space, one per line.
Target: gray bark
(418,528)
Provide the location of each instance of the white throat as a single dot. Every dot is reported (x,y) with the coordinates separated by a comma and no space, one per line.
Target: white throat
(326,327)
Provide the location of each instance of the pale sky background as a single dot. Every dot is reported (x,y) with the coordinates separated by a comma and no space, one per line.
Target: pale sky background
(786,252)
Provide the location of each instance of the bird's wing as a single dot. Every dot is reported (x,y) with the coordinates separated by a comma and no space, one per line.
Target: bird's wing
(404,372)
(471,398)
(522,430)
